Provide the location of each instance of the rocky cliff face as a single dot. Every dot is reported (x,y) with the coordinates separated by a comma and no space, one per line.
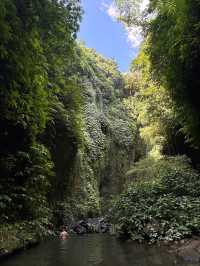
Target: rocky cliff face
(94,170)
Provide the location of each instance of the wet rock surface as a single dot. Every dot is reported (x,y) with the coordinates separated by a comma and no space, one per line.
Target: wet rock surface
(188,250)
(91,225)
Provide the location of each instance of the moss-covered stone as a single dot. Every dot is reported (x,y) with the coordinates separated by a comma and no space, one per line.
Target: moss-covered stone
(96,168)
(19,236)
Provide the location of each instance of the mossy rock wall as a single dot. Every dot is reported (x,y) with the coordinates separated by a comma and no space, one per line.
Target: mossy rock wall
(96,168)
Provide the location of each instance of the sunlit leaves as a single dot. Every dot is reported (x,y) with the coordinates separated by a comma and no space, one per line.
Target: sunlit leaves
(162,203)
(149,103)
(36,48)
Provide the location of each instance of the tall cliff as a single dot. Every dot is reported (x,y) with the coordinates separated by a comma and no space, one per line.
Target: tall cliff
(90,171)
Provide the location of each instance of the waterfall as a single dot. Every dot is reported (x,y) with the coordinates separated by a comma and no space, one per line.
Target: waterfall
(100,101)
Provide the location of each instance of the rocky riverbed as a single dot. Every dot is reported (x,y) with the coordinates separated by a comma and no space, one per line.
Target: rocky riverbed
(91,225)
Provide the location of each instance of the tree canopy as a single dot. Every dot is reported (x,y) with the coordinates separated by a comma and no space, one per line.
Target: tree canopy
(172,31)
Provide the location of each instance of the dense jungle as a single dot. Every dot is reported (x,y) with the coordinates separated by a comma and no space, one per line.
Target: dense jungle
(79,139)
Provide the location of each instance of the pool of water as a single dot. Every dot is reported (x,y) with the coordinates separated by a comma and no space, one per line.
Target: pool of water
(94,250)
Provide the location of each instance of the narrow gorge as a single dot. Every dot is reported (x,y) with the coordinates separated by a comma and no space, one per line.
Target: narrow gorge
(88,142)
(92,171)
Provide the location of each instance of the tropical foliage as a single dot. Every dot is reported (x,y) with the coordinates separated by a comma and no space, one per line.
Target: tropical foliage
(74,131)
(172,32)
(162,203)
(36,48)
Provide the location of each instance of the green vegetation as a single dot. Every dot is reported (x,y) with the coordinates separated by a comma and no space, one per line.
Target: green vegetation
(18,236)
(36,47)
(162,200)
(161,203)
(150,104)
(175,58)
(62,118)
(171,32)
(103,157)
(75,132)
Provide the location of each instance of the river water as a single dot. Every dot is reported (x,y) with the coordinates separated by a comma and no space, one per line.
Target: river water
(93,250)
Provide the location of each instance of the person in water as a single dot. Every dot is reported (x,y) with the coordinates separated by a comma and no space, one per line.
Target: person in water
(64,234)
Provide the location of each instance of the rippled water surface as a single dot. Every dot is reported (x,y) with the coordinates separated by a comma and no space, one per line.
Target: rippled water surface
(98,250)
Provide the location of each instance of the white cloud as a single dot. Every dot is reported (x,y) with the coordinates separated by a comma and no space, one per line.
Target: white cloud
(144,5)
(111,10)
(134,33)
(134,36)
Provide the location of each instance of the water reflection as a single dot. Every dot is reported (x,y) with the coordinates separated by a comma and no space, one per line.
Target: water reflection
(93,250)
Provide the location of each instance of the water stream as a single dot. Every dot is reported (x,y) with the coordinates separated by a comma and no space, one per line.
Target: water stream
(94,250)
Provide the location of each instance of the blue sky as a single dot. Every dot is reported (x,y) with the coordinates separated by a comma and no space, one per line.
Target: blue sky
(100,31)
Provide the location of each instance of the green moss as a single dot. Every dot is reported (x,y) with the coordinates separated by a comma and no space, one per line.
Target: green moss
(97,168)
(14,237)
